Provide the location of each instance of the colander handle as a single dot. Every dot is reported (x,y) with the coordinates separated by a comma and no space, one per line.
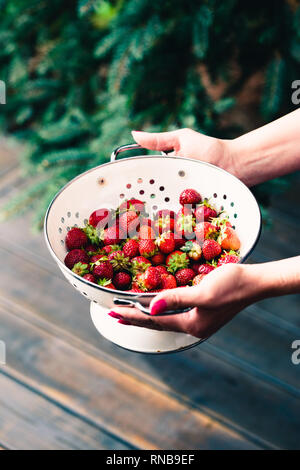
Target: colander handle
(136,303)
(125,148)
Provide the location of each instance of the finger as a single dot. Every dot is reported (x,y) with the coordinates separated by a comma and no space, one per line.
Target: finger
(157,140)
(175,299)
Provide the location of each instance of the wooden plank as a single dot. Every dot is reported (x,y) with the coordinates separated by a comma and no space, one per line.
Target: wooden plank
(106,396)
(29,421)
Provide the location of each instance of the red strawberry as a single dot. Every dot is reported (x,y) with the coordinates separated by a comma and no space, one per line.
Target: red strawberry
(195,266)
(109,248)
(177,260)
(122,280)
(204,230)
(147,222)
(193,250)
(165,213)
(228,258)
(76,256)
(168,281)
(131,248)
(157,259)
(139,264)
(162,270)
(184,276)
(197,279)
(99,218)
(81,269)
(166,242)
(76,238)
(129,221)
(205,213)
(147,248)
(189,196)
(90,278)
(179,241)
(146,233)
(229,239)
(112,235)
(103,269)
(95,258)
(136,289)
(132,205)
(106,283)
(118,260)
(205,268)
(150,279)
(164,224)
(211,249)
(91,249)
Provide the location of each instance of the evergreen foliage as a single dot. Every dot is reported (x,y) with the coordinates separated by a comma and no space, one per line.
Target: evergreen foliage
(81,74)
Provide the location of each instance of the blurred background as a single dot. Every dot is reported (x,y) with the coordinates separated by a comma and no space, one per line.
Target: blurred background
(80,75)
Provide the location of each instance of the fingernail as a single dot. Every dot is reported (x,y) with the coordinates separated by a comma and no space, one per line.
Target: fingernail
(124,322)
(115,315)
(159,307)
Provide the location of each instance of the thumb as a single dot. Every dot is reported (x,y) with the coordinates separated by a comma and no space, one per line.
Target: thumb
(157,140)
(175,299)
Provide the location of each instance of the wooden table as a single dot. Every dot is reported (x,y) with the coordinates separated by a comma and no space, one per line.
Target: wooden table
(65,387)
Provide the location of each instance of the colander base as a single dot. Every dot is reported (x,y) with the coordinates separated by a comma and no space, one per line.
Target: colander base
(139,339)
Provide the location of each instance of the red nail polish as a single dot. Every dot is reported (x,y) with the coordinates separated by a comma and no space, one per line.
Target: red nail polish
(115,315)
(124,322)
(159,307)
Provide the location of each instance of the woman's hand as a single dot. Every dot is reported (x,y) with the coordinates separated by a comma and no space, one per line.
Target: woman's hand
(221,295)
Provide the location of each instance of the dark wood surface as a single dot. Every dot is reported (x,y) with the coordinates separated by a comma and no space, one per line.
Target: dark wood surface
(65,387)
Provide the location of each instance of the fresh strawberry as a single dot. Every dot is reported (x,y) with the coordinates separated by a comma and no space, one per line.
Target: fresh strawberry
(76,238)
(106,283)
(146,221)
(205,268)
(129,222)
(184,276)
(165,213)
(93,234)
(157,259)
(118,260)
(91,249)
(204,230)
(139,264)
(131,248)
(211,249)
(109,248)
(95,258)
(132,205)
(185,223)
(177,260)
(122,280)
(205,212)
(81,269)
(189,197)
(168,281)
(146,233)
(197,279)
(76,256)
(162,270)
(164,224)
(150,279)
(166,242)
(99,218)
(102,269)
(136,290)
(112,235)
(147,248)
(195,266)
(90,278)
(228,258)
(179,241)
(229,239)
(193,250)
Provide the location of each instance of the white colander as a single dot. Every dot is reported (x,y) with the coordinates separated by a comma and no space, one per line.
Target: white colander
(157,180)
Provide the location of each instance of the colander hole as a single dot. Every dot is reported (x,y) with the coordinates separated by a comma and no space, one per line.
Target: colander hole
(69,214)
(215,195)
(68,228)
(222,208)
(62,220)
(128,186)
(142,192)
(84,293)
(233,227)
(181,173)
(75,225)
(235,216)
(152,196)
(161,188)
(122,196)
(77,215)
(154,208)
(95,301)
(75,286)
(62,242)
(85,221)
(151,181)
(167,199)
(60,230)
(224,197)
(140,180)
(232,204)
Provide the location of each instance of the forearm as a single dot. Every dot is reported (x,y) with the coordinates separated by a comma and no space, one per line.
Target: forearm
(267,152)
(274,278)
